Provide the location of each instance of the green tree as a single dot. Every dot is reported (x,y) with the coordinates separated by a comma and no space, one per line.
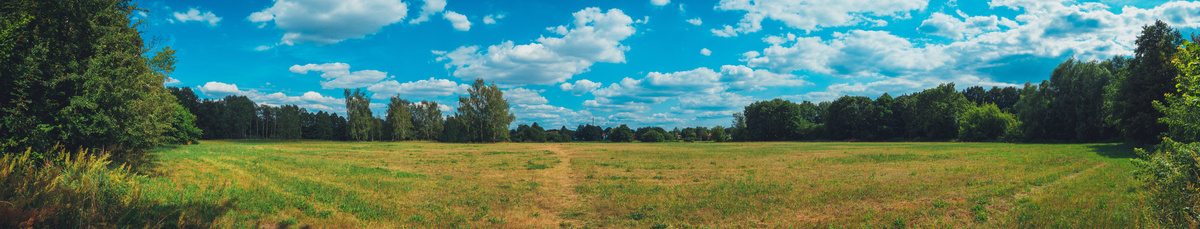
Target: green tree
(240,113)
(399,118)
(1078,101)
(652,136)
(1151,76)
(851,117)
(288,126)
(1182,108)
(77,73)
(935,112)
(535,133)
(1033,110)
(454,130)
(621,134)
(718,134)
(986,123)
(485,111)
(359,117)
(427,120)
(774,120)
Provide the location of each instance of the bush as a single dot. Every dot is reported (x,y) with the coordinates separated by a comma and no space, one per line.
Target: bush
(1172,176)
(652,136)
(77,190)
(986,123)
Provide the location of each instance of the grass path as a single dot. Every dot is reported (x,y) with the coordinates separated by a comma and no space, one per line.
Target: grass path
(561,190)
(1037,191)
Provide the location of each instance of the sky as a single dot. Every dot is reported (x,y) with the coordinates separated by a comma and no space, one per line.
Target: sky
(666,63)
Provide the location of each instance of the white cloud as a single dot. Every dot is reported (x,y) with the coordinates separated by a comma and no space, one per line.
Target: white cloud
(635,94)
(459,21)
(309,100)
(855,53)
(524,96)
(705,52)
(491,18)
(339,75)
(421,88)
(811,15)
(552,117)
(194,14)
(948,26)
(695,21)
(261,48)
(580,87)
(171,81)
(594,36)
(660,2)
(430,8)
(330,21)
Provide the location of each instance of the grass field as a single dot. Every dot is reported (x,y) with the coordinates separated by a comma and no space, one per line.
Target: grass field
(643,185)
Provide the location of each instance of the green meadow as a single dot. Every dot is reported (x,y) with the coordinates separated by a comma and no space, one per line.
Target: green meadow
(662,185)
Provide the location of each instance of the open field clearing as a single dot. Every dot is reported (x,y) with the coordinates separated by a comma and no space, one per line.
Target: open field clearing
(643,185)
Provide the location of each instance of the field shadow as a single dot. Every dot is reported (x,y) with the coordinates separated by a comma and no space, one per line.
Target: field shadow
(1120,151)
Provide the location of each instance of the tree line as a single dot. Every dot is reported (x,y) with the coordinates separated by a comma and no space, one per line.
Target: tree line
(1097,101)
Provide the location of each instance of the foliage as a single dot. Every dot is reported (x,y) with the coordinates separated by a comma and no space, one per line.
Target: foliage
(1034,111)
(358,115)
(986,123)
(652,136)
(485,113)
(289,122)
(718,134)
(1172,176)
(589,133)
(621,134)
(1182,109)
(935,112)
(185,130)
(78,73)
(773,120)
(1151,76)
(399,118)
(81,189)
(1078,101)
(427,120)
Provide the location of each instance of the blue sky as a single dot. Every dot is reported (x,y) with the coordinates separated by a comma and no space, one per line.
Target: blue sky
(643,63)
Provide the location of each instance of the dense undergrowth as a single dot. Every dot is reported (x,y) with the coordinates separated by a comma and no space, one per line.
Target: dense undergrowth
(83,189)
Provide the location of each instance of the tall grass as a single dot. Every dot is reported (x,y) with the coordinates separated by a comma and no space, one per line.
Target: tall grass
(82,189)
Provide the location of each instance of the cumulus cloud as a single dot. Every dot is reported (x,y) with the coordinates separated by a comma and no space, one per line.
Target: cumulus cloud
(811,15)
(948,26)
(329,21)
(695,21)
(171,81)
(855,53)
(594,36)
(580,87)
(421,88)
(338,75)
(660,2)
(705,52)
(194,14)
(459,21)
(491,18)
(636,94)
(430,8)
(550,116)
(309,100)
(524,96)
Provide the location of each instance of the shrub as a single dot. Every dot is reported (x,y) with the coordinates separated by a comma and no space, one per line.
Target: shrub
(986,123)
(76,190)
(1172,176)
(652,136)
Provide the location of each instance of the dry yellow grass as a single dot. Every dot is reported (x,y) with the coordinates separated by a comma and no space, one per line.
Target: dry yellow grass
(672,185)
